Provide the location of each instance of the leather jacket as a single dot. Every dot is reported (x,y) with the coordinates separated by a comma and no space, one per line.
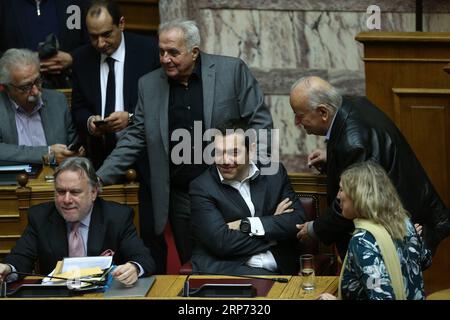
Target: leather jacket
(362,132)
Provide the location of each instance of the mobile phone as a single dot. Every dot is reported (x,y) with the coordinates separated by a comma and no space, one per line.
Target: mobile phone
(74,146)
(99,123)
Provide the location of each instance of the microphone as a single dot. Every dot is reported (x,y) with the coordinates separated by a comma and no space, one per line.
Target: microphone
(282,280)
(2,289)
(186,286)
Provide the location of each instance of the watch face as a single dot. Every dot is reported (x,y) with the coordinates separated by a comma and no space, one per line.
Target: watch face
(245,226)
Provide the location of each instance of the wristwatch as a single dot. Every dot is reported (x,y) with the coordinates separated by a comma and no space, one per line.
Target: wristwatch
(130,117)
(245,226)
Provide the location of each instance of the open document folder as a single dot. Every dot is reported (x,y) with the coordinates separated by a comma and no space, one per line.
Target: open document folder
(91,269)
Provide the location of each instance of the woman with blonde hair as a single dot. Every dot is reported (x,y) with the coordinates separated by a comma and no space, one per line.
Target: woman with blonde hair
(385,256)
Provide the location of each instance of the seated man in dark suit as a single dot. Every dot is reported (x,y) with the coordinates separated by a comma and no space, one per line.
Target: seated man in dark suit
(243,219)
(33,121)
(79,224)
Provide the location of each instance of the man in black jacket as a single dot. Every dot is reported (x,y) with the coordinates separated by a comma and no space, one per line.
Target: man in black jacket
(357,131)
(132,56)
(101,226)
(243,217)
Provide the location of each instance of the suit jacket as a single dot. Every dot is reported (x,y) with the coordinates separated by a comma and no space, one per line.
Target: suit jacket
(229,91)
(45,237)
(56,121)
(12,31)
(141,57)
(363,132)
(221,250)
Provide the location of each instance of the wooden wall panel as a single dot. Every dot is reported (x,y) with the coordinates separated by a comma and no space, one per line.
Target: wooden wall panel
(141,16)
(423,117)
(406,77)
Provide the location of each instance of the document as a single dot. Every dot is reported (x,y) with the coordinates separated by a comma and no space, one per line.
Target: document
(102,262)
(83,268)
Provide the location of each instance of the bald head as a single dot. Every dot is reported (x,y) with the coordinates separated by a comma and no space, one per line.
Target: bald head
(316,91)
(314,102)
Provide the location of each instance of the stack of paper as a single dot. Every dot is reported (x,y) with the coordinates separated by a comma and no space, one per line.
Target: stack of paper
(78,269)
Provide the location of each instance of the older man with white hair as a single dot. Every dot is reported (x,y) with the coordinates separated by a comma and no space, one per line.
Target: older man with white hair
(34,122)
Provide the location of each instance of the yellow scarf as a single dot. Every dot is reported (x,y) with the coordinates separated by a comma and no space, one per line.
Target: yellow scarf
(388,253)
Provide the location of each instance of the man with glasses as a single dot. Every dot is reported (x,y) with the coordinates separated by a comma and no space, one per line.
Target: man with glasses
(34,122)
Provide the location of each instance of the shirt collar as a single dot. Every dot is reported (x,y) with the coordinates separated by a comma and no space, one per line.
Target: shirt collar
(85,222)
(327,137)
(18,108)
(119,54)
(253,172)
(198,68)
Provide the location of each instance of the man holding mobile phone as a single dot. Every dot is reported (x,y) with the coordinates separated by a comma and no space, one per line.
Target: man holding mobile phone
(105,75)
(104,95)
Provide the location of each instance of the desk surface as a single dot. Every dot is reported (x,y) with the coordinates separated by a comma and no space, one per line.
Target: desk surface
(169,286)
(440,295)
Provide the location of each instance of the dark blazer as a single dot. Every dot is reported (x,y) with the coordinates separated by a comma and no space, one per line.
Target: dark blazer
(229,91)
(12,31)
(221,250)
(363,132)
(141,57)
(56,121)
(45,238)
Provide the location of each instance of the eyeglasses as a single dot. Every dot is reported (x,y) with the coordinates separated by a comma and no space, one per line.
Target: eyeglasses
(27,87)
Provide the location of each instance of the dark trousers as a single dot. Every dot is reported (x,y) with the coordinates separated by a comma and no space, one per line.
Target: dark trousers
(180,221)
(156,243)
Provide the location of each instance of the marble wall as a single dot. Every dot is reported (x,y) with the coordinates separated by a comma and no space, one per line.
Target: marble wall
(284,40)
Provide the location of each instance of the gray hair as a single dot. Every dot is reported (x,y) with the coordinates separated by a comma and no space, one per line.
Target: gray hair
(14,58)
(320,94)
(82,165)
(189,28)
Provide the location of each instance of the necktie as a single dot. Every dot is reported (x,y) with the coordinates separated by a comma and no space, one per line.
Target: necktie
(76,246)
(110,101)
(110,105)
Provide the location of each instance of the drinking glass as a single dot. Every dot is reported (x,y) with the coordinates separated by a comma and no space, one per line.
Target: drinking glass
(307,271)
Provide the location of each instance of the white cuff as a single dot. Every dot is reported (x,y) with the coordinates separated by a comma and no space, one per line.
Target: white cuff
(256,227)
(12,276)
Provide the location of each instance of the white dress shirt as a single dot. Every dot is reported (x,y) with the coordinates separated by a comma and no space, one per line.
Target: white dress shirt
(119,57)
(266,259)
